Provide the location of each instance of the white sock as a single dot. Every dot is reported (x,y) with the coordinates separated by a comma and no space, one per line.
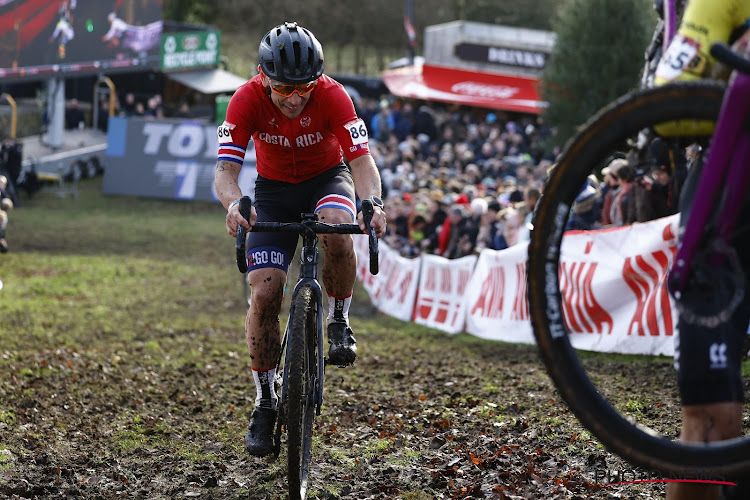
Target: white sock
(338,309)
(266,390)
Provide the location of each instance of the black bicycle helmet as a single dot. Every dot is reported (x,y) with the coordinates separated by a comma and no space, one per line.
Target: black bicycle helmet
(291,54)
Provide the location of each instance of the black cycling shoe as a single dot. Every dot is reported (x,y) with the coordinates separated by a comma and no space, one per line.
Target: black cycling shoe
(343,348)
(259,437)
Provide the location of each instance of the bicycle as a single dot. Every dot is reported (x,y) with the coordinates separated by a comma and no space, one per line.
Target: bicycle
(302,341)
(628,124)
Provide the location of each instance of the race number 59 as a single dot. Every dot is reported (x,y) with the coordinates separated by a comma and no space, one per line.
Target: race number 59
(677,59)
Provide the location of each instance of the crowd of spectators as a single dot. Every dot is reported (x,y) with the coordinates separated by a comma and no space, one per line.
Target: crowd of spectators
(141,106)
(631,191)
(457,180)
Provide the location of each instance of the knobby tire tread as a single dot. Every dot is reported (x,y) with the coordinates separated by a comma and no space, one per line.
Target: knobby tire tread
(302,365)
(598,137)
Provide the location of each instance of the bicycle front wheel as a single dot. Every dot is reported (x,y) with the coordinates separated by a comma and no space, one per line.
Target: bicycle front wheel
(302,363)
(563,310)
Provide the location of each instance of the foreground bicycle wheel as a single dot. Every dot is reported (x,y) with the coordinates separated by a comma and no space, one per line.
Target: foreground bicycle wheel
(619,128)
(302,365)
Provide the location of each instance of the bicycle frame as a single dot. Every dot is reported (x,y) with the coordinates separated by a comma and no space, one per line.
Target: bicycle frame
(670,22)
(666,28)
(726,164)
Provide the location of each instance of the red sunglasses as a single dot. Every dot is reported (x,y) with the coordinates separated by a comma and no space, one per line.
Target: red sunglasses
(287,89)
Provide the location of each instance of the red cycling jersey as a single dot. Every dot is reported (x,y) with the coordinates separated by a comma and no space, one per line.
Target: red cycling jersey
(293,149)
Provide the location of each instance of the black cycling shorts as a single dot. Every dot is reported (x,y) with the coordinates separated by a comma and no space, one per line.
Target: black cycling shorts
(277,201)
(709,360)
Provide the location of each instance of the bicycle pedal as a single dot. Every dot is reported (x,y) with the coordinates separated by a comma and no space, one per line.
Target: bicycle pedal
(326,362)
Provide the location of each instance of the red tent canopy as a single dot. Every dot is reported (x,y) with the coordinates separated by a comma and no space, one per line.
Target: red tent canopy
(473,88)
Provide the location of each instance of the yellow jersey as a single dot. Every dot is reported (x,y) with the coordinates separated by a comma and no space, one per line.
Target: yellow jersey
(703,23)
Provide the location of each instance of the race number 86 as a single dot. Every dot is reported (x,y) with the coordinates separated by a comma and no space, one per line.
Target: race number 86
(358,132)
(223,132)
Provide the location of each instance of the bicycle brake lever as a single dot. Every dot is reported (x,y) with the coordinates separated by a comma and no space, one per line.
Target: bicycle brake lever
(239,245)
(367,212)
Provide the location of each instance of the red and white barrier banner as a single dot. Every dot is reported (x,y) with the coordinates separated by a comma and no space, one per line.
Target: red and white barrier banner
(362,249)
(496,305)
(394,288)
(440,297)
(614,288)
(399,278)
(613,283)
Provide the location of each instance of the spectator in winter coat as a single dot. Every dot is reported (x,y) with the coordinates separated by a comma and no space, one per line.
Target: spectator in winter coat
(618,210)
(609,189)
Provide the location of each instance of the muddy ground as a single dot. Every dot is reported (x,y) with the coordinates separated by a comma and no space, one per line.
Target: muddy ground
(420,415)
(124,374)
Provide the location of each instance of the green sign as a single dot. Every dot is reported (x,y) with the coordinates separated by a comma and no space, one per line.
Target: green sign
(190,49)
(222,102)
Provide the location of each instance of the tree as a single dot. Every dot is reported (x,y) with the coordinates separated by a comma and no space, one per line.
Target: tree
(190,11)
(597,57)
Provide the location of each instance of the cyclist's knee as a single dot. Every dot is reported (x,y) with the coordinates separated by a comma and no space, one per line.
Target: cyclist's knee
(267,289)
(265,301)
(337,245)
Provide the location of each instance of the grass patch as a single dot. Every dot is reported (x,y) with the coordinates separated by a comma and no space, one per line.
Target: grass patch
(133,270)
(6,460)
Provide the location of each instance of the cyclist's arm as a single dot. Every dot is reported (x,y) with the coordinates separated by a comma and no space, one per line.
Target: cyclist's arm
(228,165)
(367,183)
(228,190)
(366,176)
(226,181)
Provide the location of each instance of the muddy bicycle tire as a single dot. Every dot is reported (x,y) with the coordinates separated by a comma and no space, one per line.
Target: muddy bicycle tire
(302,365)
(673,103)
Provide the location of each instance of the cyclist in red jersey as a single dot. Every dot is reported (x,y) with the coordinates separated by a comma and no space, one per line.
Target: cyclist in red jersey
(303,124)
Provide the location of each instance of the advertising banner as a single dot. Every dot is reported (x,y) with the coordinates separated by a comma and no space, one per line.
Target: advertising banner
(361,247)
(397,282)
(170,159)
(190,50)
(613,283)
(614,288)
(473,88)
(440,297)
(496,305)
